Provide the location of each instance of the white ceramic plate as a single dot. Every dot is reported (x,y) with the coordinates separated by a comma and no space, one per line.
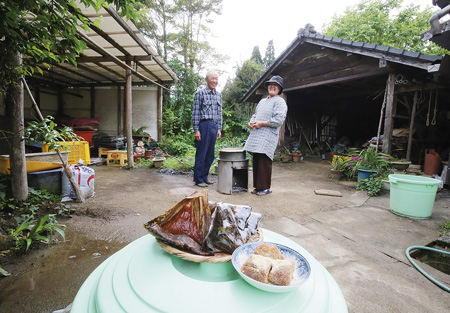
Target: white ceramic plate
(301,273)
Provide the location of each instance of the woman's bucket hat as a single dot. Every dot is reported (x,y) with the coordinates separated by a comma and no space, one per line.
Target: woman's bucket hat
(275,79)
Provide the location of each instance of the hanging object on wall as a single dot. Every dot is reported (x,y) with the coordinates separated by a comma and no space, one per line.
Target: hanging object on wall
(433,120)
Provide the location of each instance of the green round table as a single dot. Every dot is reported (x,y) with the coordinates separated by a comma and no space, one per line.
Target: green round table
(143,278)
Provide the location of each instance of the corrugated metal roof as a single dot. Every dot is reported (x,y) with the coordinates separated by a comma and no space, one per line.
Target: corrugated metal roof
(103,62)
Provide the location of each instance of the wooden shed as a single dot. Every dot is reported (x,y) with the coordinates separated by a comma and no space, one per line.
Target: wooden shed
(342,91)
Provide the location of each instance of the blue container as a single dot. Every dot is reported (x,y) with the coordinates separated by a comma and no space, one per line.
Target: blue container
(365,174)
(49,180)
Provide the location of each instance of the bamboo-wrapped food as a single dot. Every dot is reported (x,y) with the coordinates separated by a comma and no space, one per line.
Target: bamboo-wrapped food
(185,225)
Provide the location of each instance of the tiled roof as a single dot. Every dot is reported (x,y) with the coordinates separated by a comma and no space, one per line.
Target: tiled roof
(309,35)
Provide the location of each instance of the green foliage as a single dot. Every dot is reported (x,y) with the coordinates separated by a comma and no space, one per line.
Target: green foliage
(178,145)
(28,222)
(256,55)
(177,108)
(140,131)
(269,57)
(184,164)
(445,228)
(4,272)
(387,23)
(36,230)
(368,159)
(339,163)
(44,32)
(46,131)
(143,163)
(233,91)
(371,185)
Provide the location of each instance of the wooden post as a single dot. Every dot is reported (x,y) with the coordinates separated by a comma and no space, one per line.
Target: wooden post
(282,129)
(389,120)
(411,125)
(128,110)
(119,111)
(15,114)
(159,113)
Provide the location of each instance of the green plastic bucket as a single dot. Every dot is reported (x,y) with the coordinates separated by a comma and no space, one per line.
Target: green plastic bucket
(412,196)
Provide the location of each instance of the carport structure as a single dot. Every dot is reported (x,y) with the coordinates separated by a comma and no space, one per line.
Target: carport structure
(339,88)
(117,56)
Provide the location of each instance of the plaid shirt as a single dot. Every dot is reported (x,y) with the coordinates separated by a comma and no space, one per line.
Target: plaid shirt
(265,139)
(207,106)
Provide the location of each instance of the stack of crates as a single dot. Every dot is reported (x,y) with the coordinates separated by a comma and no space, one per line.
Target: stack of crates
(77,150)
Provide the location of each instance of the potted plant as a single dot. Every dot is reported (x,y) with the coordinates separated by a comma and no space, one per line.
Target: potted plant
(400,164)
(158,158)
(365,163)
(285,156)
(338,166)
(296,155)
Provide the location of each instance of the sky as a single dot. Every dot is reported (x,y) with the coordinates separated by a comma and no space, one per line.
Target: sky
(245,24)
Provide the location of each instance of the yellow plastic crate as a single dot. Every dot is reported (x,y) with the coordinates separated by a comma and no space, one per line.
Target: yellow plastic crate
(77,150)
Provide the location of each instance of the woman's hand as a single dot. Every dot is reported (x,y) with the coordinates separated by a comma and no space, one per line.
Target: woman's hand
(257,124)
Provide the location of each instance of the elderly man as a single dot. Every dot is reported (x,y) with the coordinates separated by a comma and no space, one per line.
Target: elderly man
(207,124)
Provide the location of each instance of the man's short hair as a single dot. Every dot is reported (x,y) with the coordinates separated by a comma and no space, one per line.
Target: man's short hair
(210,72)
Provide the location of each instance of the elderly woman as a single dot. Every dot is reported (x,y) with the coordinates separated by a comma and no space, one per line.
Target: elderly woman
(264,128)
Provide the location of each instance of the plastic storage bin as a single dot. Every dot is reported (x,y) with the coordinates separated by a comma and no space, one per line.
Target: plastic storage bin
(77,150)
(49,180)
(86,135)
(412,196)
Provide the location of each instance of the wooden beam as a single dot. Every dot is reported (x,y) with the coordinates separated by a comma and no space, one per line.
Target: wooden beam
(100,59)
(106,68)
(124,25)
(389,120)
(117,61)
(427,86)
(89,69)
(129,122)
(338,80)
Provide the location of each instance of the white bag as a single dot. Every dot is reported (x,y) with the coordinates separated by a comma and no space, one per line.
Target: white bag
(84,176)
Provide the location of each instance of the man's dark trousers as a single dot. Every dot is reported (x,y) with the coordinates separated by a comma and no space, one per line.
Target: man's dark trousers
(204,156)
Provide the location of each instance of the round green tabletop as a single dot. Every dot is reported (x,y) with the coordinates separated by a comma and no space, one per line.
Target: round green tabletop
(143,278)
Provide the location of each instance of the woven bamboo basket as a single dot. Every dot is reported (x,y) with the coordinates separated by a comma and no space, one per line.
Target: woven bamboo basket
(219,257)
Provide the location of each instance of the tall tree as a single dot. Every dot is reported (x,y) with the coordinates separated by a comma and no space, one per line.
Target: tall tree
(256,55)
(157,23)
(178,30)
(269,57)
(386,23)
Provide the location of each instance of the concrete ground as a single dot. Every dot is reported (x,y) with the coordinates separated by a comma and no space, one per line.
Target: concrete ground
(357,238)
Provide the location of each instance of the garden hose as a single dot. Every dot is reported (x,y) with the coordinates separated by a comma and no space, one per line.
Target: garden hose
(421,270)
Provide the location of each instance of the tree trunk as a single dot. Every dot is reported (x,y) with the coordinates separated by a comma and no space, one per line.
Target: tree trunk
(14,113)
